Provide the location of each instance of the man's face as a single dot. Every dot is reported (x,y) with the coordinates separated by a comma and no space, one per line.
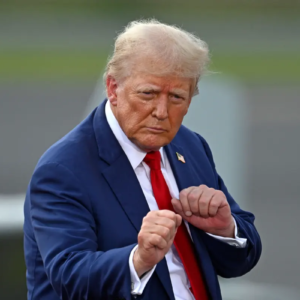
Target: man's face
(150,109)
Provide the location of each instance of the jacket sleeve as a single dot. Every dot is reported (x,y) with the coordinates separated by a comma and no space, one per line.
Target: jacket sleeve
(65,232)
(230,261)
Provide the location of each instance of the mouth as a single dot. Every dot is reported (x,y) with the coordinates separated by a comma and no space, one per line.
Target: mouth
(156,129)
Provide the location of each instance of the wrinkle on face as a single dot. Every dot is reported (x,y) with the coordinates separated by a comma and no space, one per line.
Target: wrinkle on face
(150,108)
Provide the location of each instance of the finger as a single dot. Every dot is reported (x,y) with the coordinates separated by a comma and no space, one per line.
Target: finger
(171,241)
(178,220)
(165,232)
(177,206)
(163,221)
(218,200)
(180,213)
(157,241)
(204,202)
(214,206)
(183,197)
(165,213)
(193,199)
(153,220)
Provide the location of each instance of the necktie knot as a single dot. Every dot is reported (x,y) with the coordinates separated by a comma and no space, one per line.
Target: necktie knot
(152,159)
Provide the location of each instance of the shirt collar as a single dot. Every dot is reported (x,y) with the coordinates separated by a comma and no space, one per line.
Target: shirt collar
(133,153)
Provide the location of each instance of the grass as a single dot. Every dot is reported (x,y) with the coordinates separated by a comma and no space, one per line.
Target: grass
(257,67)
(88,64)
(53,65)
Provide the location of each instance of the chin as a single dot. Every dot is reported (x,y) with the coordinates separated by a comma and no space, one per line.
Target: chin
(151,146)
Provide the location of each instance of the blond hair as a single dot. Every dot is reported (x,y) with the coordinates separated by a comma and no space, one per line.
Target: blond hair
(173,49)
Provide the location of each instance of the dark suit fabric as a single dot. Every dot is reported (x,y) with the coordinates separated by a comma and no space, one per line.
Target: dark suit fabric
(84,208)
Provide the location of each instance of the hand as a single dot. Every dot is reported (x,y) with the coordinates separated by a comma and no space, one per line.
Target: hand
(155,239)
(206,209)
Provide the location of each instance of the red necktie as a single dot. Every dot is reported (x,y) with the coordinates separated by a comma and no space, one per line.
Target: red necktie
(182,241)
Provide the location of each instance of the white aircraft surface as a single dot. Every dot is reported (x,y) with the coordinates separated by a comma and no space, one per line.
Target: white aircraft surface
(11,213)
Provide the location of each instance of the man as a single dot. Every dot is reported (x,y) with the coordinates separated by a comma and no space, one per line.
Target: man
(129,204)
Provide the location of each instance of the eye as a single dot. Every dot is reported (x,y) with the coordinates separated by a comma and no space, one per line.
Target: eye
(177,97)
(146,95)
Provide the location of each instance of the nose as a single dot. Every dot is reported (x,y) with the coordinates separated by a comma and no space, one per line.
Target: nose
(160,110)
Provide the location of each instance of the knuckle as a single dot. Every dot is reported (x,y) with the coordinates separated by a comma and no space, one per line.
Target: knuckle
(184,193)
(145,223)
(213,204)
(219,195)
(165,232)
(151,214)
(170,213)
(172,223)
(171,216)
(157,239)
(193,197)
(165,213)
(173,219)
(222,195)
(203,200)
(148,217)
(141,237)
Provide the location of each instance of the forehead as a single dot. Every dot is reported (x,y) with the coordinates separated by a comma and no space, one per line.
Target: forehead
(153,69)
(170,82)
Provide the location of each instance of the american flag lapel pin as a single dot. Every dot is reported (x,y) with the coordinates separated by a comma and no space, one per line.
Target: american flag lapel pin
(180,157)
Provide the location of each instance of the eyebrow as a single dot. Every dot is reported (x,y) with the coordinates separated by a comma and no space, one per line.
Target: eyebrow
(153,88)
(148,87)
(179,92)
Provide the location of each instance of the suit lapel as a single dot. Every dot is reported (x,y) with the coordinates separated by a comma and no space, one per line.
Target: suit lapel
(119,173)
(123,181)
(184,173)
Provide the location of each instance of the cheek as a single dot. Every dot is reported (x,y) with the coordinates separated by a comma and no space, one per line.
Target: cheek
(176,118)
(132,119)
(138,112)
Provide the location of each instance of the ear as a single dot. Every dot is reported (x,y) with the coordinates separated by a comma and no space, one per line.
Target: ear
(111,88)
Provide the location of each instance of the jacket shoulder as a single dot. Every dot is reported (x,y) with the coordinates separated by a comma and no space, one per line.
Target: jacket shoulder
(185,135)
(75,147)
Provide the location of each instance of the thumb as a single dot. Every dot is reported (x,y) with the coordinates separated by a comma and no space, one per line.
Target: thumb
(179,209)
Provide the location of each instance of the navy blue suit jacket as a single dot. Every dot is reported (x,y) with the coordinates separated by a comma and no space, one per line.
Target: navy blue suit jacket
(84,208)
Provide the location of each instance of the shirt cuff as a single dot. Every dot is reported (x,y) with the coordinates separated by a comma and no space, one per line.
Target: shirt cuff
(236,241)
(138,284)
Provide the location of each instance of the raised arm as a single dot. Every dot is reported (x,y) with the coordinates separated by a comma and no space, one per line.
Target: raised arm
(65,232)
(230,261)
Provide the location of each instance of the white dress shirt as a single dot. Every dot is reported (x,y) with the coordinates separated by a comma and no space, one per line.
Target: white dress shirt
(136,156)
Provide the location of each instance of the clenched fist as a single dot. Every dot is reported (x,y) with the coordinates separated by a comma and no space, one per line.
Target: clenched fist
(155,239)
(206,209)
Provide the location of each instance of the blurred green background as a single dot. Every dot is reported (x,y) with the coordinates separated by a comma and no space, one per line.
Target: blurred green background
(255,40)
(54,51)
